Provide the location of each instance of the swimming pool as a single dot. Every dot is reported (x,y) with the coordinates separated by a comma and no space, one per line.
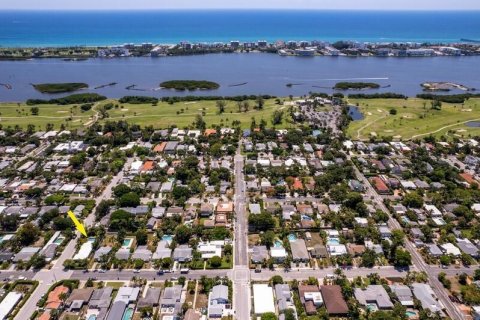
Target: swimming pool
(278,244)
(333,241)
(91,239)
(92,317)
(372,307)
(304,217)
(127,243)
(410,314)
(292,237)
(59,240)
(128,314)
(167,238)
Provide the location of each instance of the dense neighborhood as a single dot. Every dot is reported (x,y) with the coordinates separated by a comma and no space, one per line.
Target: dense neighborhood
(231,223)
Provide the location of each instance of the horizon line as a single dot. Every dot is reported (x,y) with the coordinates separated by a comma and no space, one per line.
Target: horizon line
(243,9)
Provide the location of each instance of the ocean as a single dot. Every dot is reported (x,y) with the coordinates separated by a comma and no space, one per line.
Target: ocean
(69,28)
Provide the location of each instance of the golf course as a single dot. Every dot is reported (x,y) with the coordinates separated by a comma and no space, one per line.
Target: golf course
(162,115)
(413,118)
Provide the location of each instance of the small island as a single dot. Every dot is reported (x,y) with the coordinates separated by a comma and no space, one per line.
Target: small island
(356,85)
(444,86)
(190,85)
(59,87)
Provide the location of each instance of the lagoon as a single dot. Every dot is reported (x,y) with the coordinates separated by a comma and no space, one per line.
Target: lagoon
(262,73)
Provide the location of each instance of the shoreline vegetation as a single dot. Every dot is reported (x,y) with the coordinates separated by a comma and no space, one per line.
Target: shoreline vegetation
(356,85)
(60,87)
(190,85)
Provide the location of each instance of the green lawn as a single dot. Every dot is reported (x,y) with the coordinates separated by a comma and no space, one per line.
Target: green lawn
(414,119)
(12,114)
(163,115)
(182,114)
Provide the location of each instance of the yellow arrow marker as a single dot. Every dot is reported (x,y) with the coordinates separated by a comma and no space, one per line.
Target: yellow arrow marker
(77,223)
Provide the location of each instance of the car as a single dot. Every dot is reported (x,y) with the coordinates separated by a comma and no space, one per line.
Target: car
(184,270)
(102,271)
(136,271)
(160,272)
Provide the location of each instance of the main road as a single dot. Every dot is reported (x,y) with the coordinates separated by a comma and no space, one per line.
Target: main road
(417,259)
(241,272)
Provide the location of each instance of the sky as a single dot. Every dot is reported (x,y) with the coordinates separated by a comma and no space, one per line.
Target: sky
(242,4)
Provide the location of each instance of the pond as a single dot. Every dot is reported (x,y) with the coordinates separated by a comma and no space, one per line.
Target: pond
(473,124)
(355,113)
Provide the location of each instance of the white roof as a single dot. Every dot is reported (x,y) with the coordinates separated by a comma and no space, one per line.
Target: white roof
(449,248)
(434,212)
(263,299)
(84,251)
(9,303)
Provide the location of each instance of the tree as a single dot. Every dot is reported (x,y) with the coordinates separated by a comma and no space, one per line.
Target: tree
(261,222)
(34,111)
(413,200)
(183,234)
(393,111)
(221,104)
(121,189)
(277,117)
(199,122)
(38,261)
(368,258)
(269,316)
(215,261)
(28,234)
(142,237)
(267,238)
(276,280)
(260,102)
(9,222)
(402,258)
(130,199)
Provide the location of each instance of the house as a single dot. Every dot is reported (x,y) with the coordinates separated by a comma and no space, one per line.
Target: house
(284,297)
(379,185)
(278,254)
(334,302)
(259,254)
(373,294)
(424,293)
(254,208)
(218,301)
(25,254)
(404,294)
(262,299)
(182,253)
(299,251)
(466,246)
(54,300)
(172,298)
(100,301)
(151,298)
(385,232)
(163,251)
(9,303)
(100,252)
(434,250)
(449,248)
(142,253)
(310,297)
(78,298)
(210,249)
(122,254)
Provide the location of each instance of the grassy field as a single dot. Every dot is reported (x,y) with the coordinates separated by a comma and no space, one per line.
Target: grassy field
(414,118)
(12,114)
(163,115)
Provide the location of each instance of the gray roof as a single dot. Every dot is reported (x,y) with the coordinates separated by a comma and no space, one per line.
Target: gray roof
(425,294)
(101,298)
(283,295)
(374,294)
(101,252)
(219,292)
(182,253)
(117,310)
(299,250)
(403,293)
(163,251)
(171,296)
(25,254)
(259,254)
(142,253)
(151,298)
(122,254)
(467,247)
